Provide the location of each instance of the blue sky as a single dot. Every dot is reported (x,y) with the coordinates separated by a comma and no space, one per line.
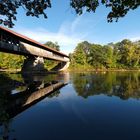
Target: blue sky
(68,29)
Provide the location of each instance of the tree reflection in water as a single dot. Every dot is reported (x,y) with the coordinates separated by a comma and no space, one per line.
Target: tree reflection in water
(122,84)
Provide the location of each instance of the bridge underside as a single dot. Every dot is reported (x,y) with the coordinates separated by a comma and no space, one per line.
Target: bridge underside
(29,50)
(34,61)
(12,42)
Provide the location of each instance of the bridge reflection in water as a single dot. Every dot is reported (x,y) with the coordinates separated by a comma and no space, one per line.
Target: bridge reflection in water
(13,104)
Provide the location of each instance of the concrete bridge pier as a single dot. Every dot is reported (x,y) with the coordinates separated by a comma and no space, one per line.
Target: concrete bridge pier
(62,66)
(33,64)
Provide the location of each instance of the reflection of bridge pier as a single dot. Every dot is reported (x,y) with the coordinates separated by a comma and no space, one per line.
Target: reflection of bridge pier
(36,88)
(17,103)
(21,101)
(35,52)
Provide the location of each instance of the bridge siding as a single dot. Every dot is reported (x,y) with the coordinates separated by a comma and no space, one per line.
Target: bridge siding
(31,42)
(29,50)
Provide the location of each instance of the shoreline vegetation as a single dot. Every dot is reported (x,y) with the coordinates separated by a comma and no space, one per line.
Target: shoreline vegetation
(10,70)
(79,69)
(120,56)
(82,69)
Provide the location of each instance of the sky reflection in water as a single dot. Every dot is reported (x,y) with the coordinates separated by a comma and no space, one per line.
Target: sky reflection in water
(91,106)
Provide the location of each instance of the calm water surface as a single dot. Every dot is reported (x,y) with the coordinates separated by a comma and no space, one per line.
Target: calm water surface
(91,106)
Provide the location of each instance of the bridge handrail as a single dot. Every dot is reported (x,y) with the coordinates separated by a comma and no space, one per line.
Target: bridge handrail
(31,41)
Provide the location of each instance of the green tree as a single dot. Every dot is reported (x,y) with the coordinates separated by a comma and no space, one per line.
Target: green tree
(11,61)
(96,56)
(49,64)
(136,57)
(79,56)
(53,45)
(109,58)
(126,53)
(81,52)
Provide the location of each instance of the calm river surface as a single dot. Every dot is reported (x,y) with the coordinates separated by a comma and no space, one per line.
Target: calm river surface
(89,106)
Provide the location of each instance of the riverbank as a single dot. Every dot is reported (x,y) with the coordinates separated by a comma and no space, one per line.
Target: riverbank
(10,70)
(77,70)
(90,69)
(14,71)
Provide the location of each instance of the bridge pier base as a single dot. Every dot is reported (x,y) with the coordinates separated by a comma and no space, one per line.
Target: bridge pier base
(62,66)
(33,65)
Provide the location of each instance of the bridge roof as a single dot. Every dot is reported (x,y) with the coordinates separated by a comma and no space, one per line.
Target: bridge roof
(31,41)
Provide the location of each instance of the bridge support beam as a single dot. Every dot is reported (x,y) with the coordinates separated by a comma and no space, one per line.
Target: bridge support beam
(33,65)
(62,66)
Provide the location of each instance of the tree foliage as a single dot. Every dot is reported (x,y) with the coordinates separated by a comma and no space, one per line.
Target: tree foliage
(11,61)
(118,8)
(8,9)
(49,64)
(53,45)
(124,54)
(80,53)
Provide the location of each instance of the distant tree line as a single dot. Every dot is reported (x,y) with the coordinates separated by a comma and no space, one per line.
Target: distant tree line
(124,54)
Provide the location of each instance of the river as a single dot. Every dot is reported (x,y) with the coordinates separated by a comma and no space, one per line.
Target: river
(70,106)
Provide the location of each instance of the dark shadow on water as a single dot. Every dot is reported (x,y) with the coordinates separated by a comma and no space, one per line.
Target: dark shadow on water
(29,90)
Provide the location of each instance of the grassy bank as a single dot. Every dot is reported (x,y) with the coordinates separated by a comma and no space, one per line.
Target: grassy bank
(82,68)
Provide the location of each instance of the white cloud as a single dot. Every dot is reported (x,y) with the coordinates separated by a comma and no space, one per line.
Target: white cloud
(43,36)
(135,38)
(67,42)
